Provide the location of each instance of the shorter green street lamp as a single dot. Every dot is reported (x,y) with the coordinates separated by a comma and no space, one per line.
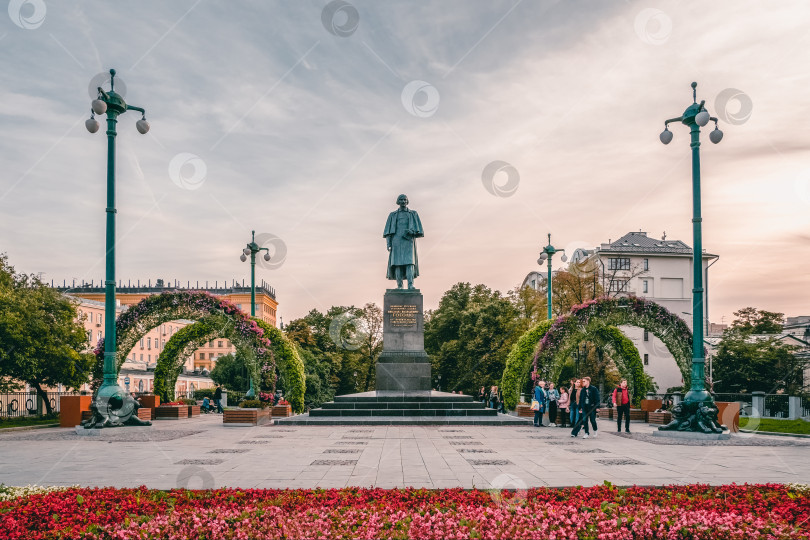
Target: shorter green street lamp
(251,250)
(546,254)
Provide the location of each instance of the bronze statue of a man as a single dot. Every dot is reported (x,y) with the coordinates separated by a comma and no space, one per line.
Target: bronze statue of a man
(401,231)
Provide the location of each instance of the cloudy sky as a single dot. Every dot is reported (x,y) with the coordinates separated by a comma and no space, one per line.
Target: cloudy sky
(305,120)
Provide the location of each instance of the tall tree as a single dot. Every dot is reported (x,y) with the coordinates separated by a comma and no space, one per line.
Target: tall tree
(44,342)
(750,358)
(469,336)
(230,370)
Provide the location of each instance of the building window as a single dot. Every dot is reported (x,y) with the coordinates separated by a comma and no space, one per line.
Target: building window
(133,357)
(202,356)
(646,335)
(219,344)
(140,386)
(141,343)
(646,359)
(618,263)
(645,288)
(618,285)
(211,356)
(646,264)
(90,336)
(149,358)
(100,335)
(141,357)
(148,343)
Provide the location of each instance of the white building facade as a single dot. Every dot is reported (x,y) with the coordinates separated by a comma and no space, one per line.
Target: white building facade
(655,269)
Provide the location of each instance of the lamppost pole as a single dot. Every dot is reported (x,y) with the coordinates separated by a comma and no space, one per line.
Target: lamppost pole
(252,249)
(547,253)
(113,105)
(695,117)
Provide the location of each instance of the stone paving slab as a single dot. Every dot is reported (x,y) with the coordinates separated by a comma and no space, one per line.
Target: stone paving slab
(201,452)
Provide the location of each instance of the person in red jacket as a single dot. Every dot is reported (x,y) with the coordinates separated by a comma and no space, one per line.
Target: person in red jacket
(621,399)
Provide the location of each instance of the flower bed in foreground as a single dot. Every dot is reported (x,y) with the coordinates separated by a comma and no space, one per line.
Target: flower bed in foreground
(695,511)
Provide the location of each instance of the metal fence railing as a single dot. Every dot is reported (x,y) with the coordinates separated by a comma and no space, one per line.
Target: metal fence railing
(805,406)
(776,406)
(20,404)
(745,401)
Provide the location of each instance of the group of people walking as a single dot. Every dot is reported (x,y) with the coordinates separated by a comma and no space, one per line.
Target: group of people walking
(579,404)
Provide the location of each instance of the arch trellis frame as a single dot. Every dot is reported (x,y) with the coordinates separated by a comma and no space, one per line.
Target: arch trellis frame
(552,338)
(162,308)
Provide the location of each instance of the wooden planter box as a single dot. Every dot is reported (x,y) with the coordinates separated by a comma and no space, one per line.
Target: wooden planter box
(149,402)
(71,409)
(729,414)
(660,418)
(524,411)
(650,405)
(245,417)
(606,413)
(282,410)
(193,410)
(171,412)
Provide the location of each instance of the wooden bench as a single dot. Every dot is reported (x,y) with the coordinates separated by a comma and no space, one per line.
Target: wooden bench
(246,417)
(171,412)
(659,418)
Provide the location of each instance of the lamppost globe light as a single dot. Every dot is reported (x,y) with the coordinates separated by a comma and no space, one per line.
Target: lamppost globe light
(242,257)
(99,107)
(266,256)
(702,118)
(91,124)
(246,251)
(716,136)
(543,257)
(666,136)
(564,258)
(142,126)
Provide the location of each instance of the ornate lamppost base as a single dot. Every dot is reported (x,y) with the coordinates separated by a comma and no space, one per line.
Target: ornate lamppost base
(112,406)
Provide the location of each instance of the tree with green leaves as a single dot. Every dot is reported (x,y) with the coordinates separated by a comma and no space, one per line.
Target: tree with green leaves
(230,370)
(752,357)
(44,342)
(469,335)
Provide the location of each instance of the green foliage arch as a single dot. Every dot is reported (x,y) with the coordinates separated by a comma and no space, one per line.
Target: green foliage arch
(157,309)
(290,365)
(549,343)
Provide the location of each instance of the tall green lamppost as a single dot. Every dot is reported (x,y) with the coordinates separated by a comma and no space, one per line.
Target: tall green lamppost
(696,116)
(251,250)
(113,404)
(546,254)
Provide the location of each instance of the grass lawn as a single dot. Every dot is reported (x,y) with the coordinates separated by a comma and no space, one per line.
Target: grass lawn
(776,425)
(28,421)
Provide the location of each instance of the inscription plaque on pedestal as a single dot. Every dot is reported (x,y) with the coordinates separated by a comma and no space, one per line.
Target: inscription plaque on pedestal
(403,366)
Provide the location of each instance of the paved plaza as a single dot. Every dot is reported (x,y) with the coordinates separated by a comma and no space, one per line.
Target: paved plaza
(201,452)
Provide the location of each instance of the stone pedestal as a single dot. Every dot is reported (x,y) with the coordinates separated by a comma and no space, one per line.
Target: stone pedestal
(403,367)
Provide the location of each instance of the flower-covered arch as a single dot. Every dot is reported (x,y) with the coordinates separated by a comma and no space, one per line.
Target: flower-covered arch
(553,340)
(165,307)
(282,353)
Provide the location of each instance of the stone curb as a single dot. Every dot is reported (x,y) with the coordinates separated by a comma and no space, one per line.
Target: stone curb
(24,428)
(778,434)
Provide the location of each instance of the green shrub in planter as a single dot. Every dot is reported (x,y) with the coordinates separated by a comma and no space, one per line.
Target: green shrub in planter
(188,401)
(253,404)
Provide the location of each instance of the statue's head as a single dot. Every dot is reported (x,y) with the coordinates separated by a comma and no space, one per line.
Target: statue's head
(402,200)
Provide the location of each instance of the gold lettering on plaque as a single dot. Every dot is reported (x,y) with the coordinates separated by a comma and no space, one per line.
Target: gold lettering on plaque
(402,315)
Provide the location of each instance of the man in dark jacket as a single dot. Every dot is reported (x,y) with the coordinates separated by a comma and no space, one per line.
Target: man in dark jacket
(587,407)
(589,404)
(218,399)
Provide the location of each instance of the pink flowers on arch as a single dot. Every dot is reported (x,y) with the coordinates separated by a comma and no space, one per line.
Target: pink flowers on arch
(605,512)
